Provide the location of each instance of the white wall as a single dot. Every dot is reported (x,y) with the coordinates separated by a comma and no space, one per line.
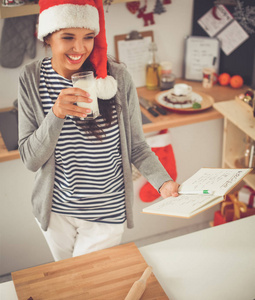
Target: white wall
(170,30)
(22,244)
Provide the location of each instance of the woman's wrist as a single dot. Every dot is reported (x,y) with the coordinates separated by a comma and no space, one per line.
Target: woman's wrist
(57,115)
(161,186)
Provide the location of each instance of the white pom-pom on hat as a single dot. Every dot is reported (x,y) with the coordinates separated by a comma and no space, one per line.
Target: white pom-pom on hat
(106,88)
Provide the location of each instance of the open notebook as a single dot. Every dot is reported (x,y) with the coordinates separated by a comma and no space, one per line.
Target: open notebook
(218,182)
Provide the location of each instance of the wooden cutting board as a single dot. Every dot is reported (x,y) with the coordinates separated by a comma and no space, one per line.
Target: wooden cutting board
(105,274)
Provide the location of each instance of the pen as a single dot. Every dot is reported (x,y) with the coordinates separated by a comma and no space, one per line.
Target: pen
(206,192)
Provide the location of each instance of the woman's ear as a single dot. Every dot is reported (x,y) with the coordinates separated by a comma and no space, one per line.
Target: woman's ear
(46,40)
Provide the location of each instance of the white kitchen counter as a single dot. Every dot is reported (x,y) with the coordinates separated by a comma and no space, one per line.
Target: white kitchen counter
(7,291)
(213,264)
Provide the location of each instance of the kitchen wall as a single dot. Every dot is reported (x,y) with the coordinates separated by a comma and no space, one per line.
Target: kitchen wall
(195,146)
(169,30)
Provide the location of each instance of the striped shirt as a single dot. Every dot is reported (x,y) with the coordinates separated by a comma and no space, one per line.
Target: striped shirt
(89,180)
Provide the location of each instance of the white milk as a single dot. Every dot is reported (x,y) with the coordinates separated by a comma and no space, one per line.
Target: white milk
(90,87)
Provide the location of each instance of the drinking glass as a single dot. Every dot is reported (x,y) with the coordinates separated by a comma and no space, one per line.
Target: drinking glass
(87,82)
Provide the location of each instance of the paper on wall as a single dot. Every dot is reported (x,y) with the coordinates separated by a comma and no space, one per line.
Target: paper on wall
(133,54)
(232,37)
(219,23)
(215,20)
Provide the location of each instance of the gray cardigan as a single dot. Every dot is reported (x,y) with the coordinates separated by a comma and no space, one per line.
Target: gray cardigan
(38,136)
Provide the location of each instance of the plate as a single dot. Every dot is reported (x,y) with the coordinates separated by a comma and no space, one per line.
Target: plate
(205,100)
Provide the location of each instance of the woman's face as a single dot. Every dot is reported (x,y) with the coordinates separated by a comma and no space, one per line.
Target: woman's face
(70,48)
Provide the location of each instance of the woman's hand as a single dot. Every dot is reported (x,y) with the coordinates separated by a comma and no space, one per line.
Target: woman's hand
(64,105)
(169,188)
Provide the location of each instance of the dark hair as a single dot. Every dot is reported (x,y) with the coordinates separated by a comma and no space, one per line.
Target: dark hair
(106,108)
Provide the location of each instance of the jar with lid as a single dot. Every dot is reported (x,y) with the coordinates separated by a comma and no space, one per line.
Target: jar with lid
(167,79)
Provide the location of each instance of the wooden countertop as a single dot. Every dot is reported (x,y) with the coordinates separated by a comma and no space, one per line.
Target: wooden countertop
(104,274)
(172,119)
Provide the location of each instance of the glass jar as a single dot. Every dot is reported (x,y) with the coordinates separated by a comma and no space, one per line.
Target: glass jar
(167,79)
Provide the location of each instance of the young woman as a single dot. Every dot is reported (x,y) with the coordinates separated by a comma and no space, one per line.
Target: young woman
(83,190)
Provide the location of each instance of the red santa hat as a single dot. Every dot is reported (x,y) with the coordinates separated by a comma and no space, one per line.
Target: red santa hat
(59,14)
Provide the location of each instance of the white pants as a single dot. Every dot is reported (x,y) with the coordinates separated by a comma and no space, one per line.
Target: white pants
(68,236)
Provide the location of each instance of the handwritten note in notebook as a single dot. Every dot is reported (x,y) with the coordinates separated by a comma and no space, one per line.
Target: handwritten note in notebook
(219,181)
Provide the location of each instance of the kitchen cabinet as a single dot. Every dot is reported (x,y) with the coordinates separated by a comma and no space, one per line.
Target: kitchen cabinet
(239,127)
(29,9)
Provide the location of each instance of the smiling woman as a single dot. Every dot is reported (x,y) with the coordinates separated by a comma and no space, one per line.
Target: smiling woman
(83,192)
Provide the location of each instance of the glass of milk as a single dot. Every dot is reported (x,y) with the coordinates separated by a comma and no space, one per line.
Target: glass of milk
(87,82)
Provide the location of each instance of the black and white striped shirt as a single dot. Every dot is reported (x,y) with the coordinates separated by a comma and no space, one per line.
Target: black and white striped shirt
(89,180)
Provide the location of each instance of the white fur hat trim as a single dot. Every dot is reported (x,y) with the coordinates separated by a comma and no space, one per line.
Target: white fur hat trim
(106,87)
(67,16)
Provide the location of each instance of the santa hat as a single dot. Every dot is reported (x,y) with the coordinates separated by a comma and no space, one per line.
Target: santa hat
(59,14)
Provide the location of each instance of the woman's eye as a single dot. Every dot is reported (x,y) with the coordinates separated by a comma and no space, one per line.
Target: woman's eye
(71,38)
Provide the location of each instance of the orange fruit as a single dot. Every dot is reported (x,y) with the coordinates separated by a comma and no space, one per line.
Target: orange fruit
(236,81)
(224,79)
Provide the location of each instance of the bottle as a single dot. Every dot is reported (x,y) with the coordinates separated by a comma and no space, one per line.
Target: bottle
(167,79)
(152,69)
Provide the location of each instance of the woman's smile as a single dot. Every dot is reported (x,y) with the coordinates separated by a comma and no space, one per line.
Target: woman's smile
(74,58)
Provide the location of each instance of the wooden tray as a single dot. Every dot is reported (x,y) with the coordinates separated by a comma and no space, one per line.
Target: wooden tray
(106,274)
(206,103)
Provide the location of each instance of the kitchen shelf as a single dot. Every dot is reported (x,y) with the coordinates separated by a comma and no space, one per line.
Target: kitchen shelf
(17,11)
(239,125)
(29,9)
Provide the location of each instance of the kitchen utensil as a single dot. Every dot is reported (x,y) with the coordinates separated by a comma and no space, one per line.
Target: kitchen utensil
(139,286)
(151,107)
